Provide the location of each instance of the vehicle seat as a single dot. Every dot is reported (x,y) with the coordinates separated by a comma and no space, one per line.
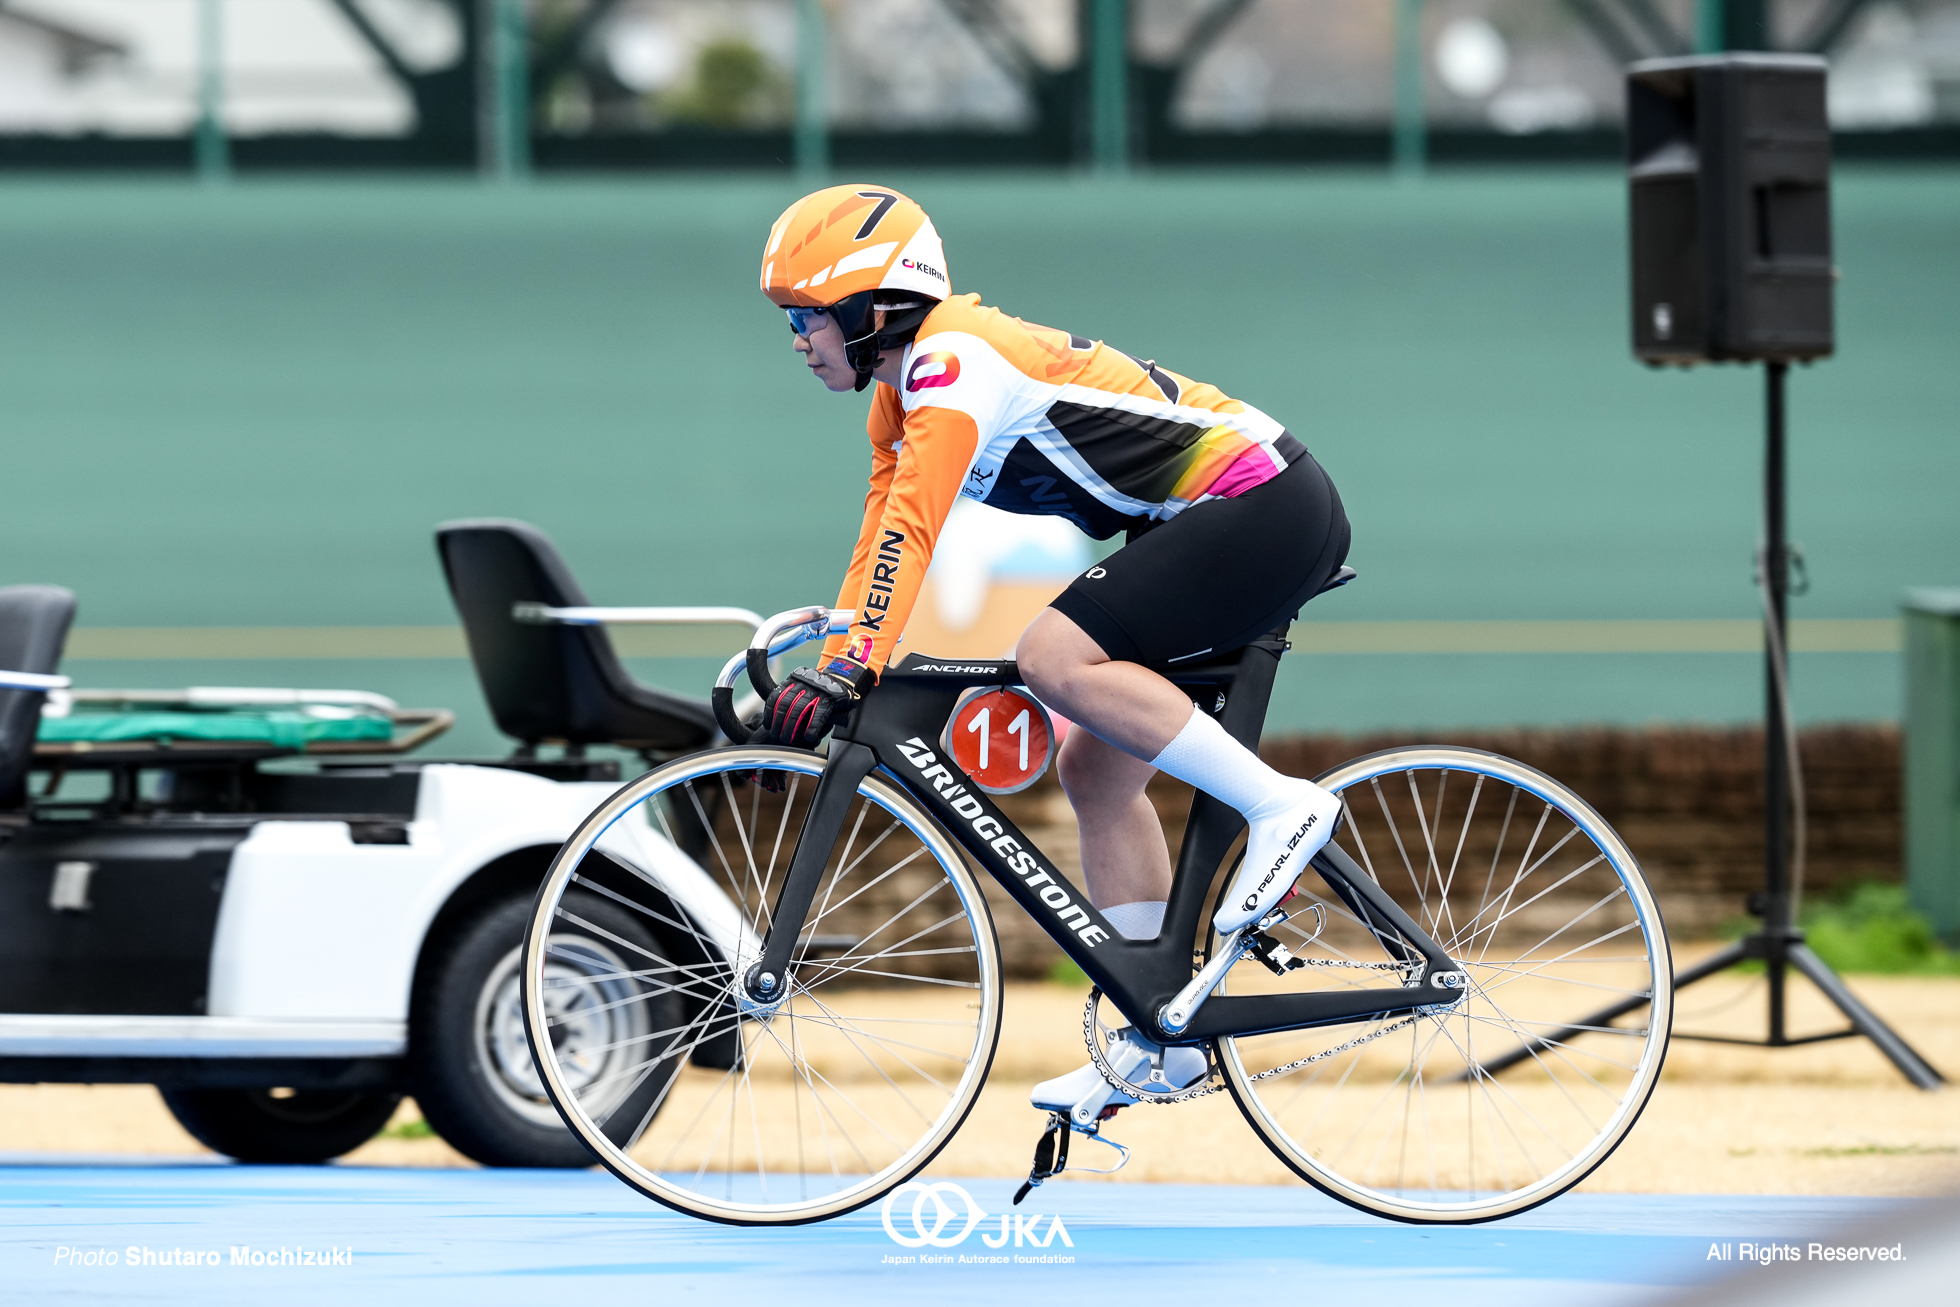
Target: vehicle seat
(556,683)
(33,629)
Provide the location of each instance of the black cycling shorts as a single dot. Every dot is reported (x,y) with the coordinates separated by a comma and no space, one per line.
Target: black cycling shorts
(1219,575)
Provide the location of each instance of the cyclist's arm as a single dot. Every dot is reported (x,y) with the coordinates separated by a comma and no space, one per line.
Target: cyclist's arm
(886,426)
(890,567)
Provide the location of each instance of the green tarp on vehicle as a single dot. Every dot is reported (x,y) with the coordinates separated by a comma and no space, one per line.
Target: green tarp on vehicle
(282,728)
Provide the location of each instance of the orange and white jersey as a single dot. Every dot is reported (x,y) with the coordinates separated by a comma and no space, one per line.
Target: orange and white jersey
(1033,420)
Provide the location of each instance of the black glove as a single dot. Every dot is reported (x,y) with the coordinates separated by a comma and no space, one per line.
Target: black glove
(800,712)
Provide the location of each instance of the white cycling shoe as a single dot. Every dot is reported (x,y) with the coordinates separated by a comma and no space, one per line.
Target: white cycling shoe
(1083,1095)
(1278,849)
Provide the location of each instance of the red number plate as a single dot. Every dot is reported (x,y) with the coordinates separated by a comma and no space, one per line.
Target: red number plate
(1002,739)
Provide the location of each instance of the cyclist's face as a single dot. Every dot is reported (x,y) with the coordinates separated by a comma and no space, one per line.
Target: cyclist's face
(822,348)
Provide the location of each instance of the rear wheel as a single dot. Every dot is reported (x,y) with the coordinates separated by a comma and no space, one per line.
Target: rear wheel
(826,1100)
(1516,1092)
(280,1126)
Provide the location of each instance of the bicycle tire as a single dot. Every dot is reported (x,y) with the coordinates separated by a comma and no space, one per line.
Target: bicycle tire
(890,1025)
(1556,1098)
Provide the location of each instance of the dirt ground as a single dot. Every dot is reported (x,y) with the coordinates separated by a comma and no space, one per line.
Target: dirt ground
(1831,1118)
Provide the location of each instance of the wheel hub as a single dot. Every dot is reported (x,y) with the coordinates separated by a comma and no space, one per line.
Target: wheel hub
(759,1000)
(588,1024)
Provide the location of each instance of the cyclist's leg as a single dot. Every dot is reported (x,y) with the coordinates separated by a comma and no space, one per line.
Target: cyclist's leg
(1131,707)
(1124,858)
(1128,870)
(1207,582)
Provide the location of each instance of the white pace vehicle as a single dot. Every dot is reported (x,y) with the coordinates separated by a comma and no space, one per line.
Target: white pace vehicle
(258,902)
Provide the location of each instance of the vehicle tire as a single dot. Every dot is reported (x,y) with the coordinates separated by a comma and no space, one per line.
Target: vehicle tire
(857,1077)
(1490,1105)
(280,1127)
(469,1061)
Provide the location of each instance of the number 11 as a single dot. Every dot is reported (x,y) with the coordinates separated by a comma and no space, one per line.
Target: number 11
(980,724)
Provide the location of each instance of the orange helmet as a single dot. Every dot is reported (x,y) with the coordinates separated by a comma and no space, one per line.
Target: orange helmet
(844,240)
(850,251)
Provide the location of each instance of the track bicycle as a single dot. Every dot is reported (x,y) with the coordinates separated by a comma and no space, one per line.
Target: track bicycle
(1406,1032)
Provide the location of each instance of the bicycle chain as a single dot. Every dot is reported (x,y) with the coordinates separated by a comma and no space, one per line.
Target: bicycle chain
(1204,1088)
(1356,1042)
(1357,966)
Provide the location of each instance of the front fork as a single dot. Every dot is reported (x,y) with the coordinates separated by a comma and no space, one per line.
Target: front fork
(766,982)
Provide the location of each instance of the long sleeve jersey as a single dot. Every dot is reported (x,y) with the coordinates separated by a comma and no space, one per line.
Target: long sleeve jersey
(1032,420)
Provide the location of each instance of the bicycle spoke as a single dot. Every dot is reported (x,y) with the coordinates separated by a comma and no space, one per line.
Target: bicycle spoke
(1546,1041)
(1350,825)
(1462,837)
(1430,869)
(851,1036)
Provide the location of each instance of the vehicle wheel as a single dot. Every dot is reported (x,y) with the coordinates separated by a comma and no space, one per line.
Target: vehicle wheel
(280,1127)
(469,1061)
(1506,1098)
(860,1074)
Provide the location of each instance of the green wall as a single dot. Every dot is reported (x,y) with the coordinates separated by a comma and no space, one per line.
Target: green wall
(249,405)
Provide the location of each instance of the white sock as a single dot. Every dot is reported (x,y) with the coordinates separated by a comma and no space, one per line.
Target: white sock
(1205,757)
(1136,920)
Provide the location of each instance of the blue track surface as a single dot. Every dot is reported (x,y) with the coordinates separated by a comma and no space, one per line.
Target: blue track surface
(492,1237)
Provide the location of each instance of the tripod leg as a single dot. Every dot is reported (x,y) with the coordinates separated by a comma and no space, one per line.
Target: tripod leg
(1914,1067)
(1719,961)
(1590,1022)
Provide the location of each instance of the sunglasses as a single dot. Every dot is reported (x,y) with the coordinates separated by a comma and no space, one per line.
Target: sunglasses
(803,321)
(856,308)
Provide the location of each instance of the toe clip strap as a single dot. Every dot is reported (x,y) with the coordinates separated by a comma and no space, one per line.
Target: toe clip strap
(1050,1156)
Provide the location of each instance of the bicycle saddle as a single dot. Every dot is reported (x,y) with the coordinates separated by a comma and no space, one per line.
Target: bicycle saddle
(1336,581)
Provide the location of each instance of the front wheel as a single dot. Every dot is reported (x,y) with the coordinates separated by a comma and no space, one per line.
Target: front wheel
(1508,1097)
(830,1098)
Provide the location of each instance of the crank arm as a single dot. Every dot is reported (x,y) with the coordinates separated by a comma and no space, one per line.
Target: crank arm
(1175,1017)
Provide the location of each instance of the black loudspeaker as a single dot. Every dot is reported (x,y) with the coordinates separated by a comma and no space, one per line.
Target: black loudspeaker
(1729,171)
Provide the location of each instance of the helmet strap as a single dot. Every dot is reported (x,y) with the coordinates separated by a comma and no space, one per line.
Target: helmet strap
(866,343)
(901,326)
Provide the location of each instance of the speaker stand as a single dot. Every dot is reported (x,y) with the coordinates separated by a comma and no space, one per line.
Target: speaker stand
(1779,944)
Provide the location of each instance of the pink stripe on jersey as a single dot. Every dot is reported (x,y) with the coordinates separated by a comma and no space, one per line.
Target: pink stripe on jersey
(1252,468)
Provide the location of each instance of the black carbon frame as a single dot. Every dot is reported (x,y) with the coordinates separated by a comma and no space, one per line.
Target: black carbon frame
(896,730)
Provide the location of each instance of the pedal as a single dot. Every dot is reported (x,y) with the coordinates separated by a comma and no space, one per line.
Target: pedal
(1050,1156)
(1273,955)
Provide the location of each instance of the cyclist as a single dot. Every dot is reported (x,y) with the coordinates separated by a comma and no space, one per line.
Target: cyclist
(1231,527)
